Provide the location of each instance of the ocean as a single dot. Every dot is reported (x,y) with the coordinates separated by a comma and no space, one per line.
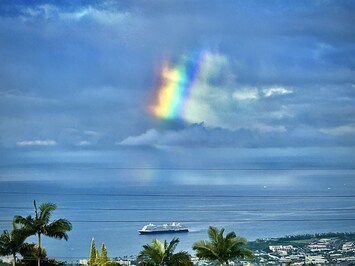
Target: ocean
(112,210)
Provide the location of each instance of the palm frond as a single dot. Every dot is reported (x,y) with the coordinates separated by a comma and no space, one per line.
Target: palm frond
(205,250)
(172,245)
(181,258)
(11,242)
(27,250)
(24,221)
(213,233)
(46,210)
(5,246)
(60,225)
(221,248)
(162,254)
(58,229)
(151,254)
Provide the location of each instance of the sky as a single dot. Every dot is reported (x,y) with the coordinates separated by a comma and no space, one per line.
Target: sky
(177,84)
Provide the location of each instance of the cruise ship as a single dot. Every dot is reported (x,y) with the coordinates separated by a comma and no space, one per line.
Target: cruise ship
(164,228)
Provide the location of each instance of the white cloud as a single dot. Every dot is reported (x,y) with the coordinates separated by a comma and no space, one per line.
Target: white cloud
(193,135)
(276,91)
(103,16)
(84,143)
(340,131)
(246,94)
(210,91)
(92,133)
(218,101)
(47,11)
(79,137)
(147,138)
(47,142)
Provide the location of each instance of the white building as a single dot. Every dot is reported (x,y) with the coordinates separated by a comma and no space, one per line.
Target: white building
(282,250)
(315,260)
(83,262)
(348,246)
(7,259)
(124,262)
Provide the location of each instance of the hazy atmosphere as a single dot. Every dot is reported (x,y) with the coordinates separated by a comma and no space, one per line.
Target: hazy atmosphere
(258,85)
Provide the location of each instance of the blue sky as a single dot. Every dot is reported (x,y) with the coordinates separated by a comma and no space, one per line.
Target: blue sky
(78,77)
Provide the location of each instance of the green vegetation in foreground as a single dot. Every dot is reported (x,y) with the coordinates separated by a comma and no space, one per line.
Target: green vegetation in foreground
(40,225)
(222,248)
(162,254)
(12,243)
(298,240)
(99,259)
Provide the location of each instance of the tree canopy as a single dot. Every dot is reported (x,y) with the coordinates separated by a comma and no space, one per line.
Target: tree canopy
(221,248)
(40,224)
(162,254)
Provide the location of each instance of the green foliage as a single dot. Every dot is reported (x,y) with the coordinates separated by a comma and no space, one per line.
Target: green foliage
(40,224)
(99,259)
(92,259)
(33,253)
(162,254)
(12,242)
(112,263)
(221,248)
(45,262)
(103,255)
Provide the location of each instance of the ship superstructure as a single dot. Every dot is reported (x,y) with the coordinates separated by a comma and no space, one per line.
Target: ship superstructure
(164,228)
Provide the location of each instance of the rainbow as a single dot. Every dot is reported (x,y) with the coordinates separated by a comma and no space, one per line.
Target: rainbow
(175,87)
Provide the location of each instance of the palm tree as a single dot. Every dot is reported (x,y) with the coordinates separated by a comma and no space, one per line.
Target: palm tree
(220,248)
(40,225)
(162,254)
(12,242)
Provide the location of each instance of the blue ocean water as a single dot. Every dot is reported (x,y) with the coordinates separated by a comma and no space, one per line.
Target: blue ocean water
(113,211)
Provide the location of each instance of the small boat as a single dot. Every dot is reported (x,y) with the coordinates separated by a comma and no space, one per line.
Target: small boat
(164,228)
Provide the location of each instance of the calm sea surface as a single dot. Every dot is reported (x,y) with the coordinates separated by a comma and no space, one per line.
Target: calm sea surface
(112,212)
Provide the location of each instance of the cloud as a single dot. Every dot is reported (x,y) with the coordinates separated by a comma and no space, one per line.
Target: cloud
(148,138)
(106,16)
(83,143)
(261,135)
(79,137)
(269,92)
(47,142)
(340,131)
(246,94)
(254,93)
(193,135)
(216,98)
(90,67)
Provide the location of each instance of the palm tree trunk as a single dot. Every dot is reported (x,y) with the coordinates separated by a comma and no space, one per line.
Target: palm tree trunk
(13,259)
(39,250)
